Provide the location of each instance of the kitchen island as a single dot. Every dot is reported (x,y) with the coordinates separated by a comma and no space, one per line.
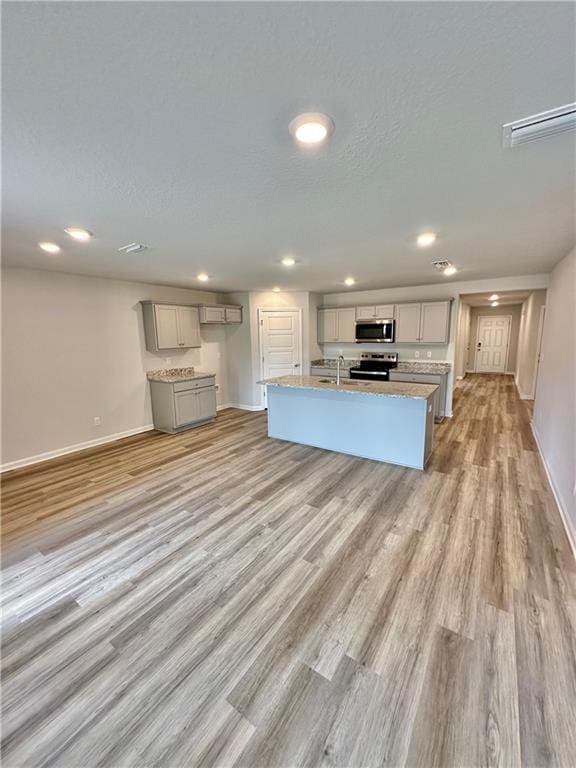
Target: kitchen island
(384,421)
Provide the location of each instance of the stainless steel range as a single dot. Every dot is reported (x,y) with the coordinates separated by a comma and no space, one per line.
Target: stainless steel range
(375,366)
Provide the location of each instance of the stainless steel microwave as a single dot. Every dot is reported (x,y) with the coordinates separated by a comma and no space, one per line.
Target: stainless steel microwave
(375,331)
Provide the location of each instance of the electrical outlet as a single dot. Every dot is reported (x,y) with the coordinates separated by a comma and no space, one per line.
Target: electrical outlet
(428,354)
(168,360)
(416,354)
(97,421)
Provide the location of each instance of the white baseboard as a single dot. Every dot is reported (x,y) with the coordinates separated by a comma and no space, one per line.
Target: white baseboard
(244,407)
(570,531)
(72,448)
(522,395)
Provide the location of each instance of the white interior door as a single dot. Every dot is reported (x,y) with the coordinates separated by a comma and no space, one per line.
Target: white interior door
(280,342)
(492,343)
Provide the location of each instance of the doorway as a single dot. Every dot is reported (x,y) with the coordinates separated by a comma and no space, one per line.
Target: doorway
(492,343)
(280,343)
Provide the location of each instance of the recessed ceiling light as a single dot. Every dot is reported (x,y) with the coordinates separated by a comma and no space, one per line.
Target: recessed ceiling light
(49,247)
(78,233)
(494,304)
(494,297)
(311,128)
(202,276)
(288,261)
(451,270)
(349,281)
(276,289)
(426,239)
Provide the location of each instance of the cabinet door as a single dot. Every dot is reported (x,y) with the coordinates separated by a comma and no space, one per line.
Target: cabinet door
(189,327)
(186,407)
(167,326)
(213,314)
(206,399)
(365,313)
(347,324)
(327,325)
(434,321)
(384,311)
(408,323)
(233,315)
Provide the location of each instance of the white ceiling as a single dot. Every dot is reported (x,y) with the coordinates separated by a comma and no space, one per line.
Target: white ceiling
(504,297)
(167,123)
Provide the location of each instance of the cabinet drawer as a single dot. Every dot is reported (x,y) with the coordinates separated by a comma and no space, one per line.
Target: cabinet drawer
(416,378)
(184,386)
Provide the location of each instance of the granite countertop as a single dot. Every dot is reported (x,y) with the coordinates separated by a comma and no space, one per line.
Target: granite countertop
(356,387)
(409,366)
(332,362)
(429,366)
(172,375)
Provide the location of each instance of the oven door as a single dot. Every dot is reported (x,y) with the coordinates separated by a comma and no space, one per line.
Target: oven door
(358,373)
(375,332)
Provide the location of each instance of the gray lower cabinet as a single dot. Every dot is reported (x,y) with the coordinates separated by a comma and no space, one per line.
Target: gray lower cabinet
(427,378)
(329,373)
(180,405)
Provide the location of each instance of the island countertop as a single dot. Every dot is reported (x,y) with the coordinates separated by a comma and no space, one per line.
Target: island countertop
(356,386)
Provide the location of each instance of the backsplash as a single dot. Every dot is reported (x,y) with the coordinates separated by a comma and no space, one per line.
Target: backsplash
(405,351)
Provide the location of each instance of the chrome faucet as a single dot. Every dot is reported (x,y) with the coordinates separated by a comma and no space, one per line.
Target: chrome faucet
(340,360)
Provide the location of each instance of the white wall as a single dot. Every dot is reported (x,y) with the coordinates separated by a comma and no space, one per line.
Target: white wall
(73,348)
(555,405)
(527,344)
(462,340)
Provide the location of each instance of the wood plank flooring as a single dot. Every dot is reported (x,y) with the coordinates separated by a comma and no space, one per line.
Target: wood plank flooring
(216,598)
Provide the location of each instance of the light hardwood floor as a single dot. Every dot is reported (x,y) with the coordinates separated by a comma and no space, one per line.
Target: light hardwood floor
(217,598)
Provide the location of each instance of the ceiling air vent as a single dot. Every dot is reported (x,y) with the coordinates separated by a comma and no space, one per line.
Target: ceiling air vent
(539,126)
(441,265)
(133,248)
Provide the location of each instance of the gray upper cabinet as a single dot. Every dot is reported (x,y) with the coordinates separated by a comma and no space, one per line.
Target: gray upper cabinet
(408,324)
(377,312)
(337,325)
(434,322)
(170,326)
(327,325)
(220,314)
(424,323)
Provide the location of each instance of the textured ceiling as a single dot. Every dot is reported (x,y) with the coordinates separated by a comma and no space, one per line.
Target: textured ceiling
(167,123)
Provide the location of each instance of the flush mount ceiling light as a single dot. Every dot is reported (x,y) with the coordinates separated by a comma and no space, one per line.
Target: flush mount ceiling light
(288,261)
(494,297)
(78,233)
(276,289)
(426,239)
(495,304)
(49,247)
(311,128)
(349,281)
(202,276)
(540,126)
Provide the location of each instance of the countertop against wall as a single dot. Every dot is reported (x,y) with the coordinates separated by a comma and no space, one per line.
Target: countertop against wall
(408,366)
(173,375)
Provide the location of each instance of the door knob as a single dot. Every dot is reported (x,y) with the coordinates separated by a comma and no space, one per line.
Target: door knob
(296,365)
